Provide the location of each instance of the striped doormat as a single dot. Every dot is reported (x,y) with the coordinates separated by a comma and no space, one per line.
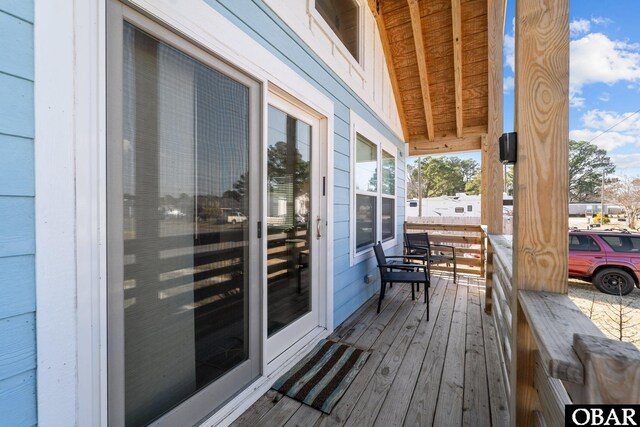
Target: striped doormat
(322,377)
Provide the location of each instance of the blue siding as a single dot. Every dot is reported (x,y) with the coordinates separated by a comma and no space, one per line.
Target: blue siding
(17,293)
(22,9)
(18,400)
(18,354)
(257,20)
(16,166)
(17,228)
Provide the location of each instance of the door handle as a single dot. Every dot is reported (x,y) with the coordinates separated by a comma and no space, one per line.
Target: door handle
(318,222)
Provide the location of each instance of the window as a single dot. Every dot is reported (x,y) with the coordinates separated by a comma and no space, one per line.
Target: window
(469,208)
(623,243)
(388,196)
(342,18)
(583,244)
(459,209)
(366,192)
(374,190)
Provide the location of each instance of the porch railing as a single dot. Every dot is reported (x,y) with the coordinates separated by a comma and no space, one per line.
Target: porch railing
(574,361)
(467,239)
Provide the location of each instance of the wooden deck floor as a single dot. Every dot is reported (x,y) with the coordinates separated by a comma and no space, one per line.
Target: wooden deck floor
(443,372)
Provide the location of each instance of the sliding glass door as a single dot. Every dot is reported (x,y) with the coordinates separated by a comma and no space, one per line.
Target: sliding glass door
(183,209)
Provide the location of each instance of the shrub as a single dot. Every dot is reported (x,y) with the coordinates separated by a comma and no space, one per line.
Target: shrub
(596,219)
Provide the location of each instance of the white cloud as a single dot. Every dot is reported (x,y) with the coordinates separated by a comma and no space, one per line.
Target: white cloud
(579,26)
(608,141)
(604,97)
(576,101)
(510,51)
(624,122)
(597,59)
(600,20)
(508,84)
(626,161)
(510,47)
(595,122)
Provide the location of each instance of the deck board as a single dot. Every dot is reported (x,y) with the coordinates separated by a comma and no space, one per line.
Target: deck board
(449,407)
(440,372)
(476,399)
(395,406)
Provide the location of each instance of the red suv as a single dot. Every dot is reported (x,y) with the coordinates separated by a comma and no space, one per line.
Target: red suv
(610,260)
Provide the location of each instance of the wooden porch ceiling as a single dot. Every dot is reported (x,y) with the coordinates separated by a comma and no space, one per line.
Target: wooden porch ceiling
(437,54)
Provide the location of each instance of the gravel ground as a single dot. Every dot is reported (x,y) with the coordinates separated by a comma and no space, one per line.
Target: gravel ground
(618,317)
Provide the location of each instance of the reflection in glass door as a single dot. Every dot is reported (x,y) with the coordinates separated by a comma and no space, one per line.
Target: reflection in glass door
(288,220)
(180,233)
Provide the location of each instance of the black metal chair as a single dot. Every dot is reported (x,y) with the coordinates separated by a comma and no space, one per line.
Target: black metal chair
(408,273)
(419,244)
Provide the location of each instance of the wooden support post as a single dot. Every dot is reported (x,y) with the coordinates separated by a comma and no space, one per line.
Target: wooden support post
(456,24)
(492,181)
(541,177)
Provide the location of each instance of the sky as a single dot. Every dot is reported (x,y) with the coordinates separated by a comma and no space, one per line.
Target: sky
(604,80)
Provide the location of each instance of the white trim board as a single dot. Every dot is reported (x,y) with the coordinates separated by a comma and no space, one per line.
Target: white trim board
(368,78)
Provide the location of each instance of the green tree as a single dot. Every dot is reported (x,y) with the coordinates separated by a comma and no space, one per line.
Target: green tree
(472,187)
(442,176)
(508,179)
(587,162)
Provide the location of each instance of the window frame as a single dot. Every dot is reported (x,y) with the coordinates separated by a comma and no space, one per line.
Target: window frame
(337,43)
(361,127)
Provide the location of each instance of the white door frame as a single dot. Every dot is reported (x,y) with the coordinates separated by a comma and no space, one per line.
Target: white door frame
(278,344)
(70,212)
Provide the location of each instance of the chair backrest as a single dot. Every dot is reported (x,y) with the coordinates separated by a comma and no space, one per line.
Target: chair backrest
(412,240)
(377,249)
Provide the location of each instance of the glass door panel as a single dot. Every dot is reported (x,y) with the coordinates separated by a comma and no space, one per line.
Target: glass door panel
(184,211)
(289,249)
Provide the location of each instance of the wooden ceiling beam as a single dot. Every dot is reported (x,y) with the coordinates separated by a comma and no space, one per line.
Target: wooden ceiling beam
(416,26)
(445,146)
(457,61)
(388,56)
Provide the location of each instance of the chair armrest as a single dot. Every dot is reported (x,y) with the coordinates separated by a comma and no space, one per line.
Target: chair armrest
(405,266)
(406,256)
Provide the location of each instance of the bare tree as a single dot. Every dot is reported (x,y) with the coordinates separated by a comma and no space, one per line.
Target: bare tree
(626,193)
(619,320)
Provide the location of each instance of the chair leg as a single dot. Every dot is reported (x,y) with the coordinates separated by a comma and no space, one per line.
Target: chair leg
(426,298)
(455,273)
(413,293)
(382,286)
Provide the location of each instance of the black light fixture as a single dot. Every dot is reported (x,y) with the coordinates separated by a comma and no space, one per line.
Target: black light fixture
(508,148)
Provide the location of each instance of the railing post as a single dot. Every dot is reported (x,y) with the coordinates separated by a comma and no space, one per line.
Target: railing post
(483,254)
(488,280)
(540,245)
(611,370)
